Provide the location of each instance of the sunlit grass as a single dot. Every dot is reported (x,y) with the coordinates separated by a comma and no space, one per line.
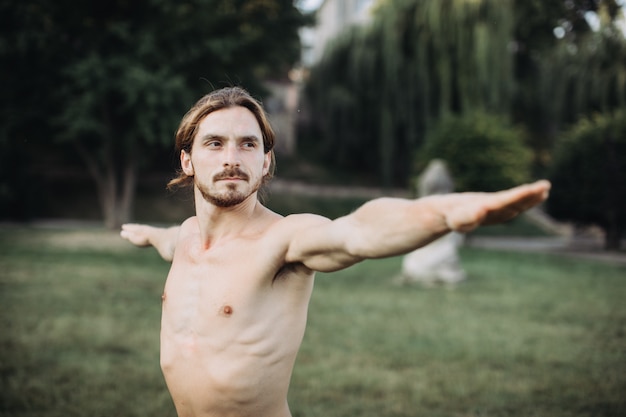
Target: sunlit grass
(79,326)
(526,335)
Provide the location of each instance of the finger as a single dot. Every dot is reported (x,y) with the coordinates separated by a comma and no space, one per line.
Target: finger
(524,196)
(511,203)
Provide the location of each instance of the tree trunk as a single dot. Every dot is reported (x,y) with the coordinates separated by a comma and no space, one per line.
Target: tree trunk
(115,185)
(129,186)
(117,206)
(108,204)
(612,239)
(613,232)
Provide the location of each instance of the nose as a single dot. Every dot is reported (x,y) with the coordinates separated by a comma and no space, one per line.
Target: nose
(231,156)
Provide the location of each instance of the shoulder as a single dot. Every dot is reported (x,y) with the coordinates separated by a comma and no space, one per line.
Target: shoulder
(299,223)
(189,223)
(283,231)
(297,228)
(188,227)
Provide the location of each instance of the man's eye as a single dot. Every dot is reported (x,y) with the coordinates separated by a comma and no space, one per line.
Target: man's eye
(214,144)
(249,145)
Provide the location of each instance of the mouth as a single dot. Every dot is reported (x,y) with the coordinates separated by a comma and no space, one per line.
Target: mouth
(231,179)
(237,175)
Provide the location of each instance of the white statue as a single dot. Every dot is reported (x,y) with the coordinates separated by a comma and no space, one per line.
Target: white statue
(438,262)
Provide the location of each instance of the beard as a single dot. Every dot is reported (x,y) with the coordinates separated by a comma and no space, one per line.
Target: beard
(232,196)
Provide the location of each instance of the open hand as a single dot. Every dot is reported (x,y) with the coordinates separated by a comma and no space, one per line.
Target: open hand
(470,210)
(137,234)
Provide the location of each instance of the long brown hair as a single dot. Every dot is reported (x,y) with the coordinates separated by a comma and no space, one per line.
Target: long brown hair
(217,100)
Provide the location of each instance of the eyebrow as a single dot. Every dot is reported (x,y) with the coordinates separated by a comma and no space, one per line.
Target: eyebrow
(211,136)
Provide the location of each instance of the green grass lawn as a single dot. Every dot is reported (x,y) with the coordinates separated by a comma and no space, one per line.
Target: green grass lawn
(526,335)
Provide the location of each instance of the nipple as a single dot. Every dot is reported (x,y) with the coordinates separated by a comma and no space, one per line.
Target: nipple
(227,310)
(163,297)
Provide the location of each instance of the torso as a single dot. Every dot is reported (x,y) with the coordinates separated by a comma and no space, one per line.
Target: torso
(233,320)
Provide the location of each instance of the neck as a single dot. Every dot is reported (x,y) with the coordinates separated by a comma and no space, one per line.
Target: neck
(220,222)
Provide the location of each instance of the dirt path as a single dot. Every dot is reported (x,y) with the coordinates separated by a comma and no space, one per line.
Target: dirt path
(573,247)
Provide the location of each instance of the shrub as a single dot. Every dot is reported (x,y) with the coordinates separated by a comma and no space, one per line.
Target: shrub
(483,152)
(588,175)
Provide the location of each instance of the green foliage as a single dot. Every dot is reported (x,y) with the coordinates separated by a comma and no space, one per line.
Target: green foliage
(422,59)
(527,335)
(558,80)
(483,153)
(585,76)
(113,78)
(379,88)
(535,21)
(330,207)
(589,175)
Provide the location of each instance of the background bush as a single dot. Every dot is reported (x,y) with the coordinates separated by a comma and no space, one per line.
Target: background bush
(588,175)
(483,152)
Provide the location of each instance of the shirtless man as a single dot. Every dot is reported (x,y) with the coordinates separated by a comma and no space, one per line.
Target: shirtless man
(236,297)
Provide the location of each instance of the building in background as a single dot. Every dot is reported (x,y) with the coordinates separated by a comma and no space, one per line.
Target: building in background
(283,104)
(332,17)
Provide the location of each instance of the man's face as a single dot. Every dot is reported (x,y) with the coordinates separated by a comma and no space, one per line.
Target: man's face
(227,158)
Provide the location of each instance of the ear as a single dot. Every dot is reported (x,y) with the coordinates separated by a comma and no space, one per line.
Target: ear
(267,161)
(185,163)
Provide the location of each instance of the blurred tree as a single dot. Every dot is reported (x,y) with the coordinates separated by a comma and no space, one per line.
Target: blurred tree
(422,59)
(113,78)
(25,103)
(587,75)
(540,27)
(379,88)
(588,175)
(483,152)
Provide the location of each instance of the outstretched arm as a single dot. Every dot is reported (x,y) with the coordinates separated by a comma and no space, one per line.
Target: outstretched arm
(163,239)
(390,226)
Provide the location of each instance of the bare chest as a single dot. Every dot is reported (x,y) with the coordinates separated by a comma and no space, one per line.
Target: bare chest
(232,291)
(232,320)
(214,286)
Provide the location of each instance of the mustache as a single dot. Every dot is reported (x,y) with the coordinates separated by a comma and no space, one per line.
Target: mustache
(230,173)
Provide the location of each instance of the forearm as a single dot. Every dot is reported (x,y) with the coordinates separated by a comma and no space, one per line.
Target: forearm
(388,227)
(162,239)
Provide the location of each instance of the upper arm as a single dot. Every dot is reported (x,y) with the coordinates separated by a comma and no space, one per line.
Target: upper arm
(319,243)
(167,246)
(167,241)
(379,228)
